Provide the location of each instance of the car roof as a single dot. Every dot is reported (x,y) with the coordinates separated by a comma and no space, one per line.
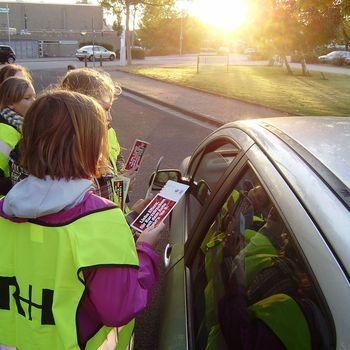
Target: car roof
(325,138)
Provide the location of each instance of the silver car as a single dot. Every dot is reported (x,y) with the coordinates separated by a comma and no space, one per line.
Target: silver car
(334,55)
(90,51)
(258,256)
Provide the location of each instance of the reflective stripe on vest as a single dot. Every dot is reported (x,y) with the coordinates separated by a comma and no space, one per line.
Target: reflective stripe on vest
(41,282)
(9,137)
(283,316)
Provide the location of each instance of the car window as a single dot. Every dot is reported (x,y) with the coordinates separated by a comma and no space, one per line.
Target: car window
(252,286)
(209,168)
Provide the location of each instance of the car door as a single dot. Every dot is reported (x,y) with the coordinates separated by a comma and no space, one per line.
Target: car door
(105,52)
(251,281)
(97,51)
(205,171)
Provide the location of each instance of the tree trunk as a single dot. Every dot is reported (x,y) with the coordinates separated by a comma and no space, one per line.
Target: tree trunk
(289,70)
(127,33)
(304,67)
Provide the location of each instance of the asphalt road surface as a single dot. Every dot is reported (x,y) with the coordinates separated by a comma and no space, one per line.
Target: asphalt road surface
(171,135)
(171,60)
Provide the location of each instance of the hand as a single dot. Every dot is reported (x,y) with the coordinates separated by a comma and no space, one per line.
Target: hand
(141,204)
(152,235)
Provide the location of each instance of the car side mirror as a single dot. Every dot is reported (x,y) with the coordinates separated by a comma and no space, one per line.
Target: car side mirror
(160,178)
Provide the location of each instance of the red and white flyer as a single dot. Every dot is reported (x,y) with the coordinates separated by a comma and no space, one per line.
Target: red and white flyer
(160,206)
(136,154)
(121,186)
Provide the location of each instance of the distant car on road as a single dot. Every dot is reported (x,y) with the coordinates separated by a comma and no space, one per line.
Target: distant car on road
(334,55)
(7,54)
(96,51)
(259,246)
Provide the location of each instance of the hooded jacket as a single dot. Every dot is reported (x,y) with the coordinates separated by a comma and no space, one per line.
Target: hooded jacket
(60,201)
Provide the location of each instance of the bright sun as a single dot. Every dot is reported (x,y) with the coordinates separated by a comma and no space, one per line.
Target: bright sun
(222,14)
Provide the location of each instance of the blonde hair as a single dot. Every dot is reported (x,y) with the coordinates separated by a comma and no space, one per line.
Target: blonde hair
(64,136)
(10,70)
(12,90)
(92,83)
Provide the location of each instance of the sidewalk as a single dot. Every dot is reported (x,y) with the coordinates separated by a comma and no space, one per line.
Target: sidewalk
(213,108)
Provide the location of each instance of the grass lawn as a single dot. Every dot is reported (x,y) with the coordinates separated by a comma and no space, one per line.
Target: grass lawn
(269,86)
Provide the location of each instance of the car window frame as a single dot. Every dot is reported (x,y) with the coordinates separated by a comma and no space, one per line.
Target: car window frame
(193,185)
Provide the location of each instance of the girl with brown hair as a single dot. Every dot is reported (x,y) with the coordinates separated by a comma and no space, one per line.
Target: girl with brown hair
(14,70)
(16,95)
(71,248)
(100,86)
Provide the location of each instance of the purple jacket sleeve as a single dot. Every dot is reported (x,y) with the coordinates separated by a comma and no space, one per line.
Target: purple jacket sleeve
(118,294)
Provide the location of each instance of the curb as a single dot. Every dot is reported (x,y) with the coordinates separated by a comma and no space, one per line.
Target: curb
(213,94)
(198,116)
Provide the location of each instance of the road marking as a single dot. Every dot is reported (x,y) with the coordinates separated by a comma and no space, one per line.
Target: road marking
(169,111)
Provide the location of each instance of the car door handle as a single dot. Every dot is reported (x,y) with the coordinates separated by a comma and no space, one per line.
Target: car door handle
(167,254)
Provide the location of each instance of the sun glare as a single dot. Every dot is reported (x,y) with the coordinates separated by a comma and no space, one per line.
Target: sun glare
(222,14)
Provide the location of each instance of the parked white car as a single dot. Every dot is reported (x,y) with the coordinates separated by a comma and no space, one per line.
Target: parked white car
(332,56)
(90,51)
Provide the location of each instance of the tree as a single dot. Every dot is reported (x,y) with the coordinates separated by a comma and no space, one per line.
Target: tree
(124,6)
(160,30)
(117,24)
(286,26)
(343,34)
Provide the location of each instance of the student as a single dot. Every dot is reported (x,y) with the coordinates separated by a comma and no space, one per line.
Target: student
(71,249)
(99,85)
(14,70)
(16,95)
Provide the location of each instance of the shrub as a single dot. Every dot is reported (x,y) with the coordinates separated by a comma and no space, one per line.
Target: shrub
(310,58)
(339,61)
(138,53)
(258,56)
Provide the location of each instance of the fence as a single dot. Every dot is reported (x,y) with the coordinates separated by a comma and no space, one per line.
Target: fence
(212,61)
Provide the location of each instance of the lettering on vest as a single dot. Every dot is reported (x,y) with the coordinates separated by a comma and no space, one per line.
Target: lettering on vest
(46,300)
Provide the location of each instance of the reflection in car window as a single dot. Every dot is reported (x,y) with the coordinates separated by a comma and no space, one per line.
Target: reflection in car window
(214,162)
(252,287)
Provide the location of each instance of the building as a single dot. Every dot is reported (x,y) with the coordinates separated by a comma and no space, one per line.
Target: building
(41,29)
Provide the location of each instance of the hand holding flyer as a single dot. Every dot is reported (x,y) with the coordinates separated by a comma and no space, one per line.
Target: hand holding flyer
(136,154)
(160,206)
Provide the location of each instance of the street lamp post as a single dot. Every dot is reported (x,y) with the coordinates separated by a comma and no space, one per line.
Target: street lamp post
(93,43)
(25,23)
(182,5)
(181,32)
(122,50)
(8,24)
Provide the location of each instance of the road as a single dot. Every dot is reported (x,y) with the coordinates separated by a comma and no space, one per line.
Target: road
(171,60)
(171,135)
